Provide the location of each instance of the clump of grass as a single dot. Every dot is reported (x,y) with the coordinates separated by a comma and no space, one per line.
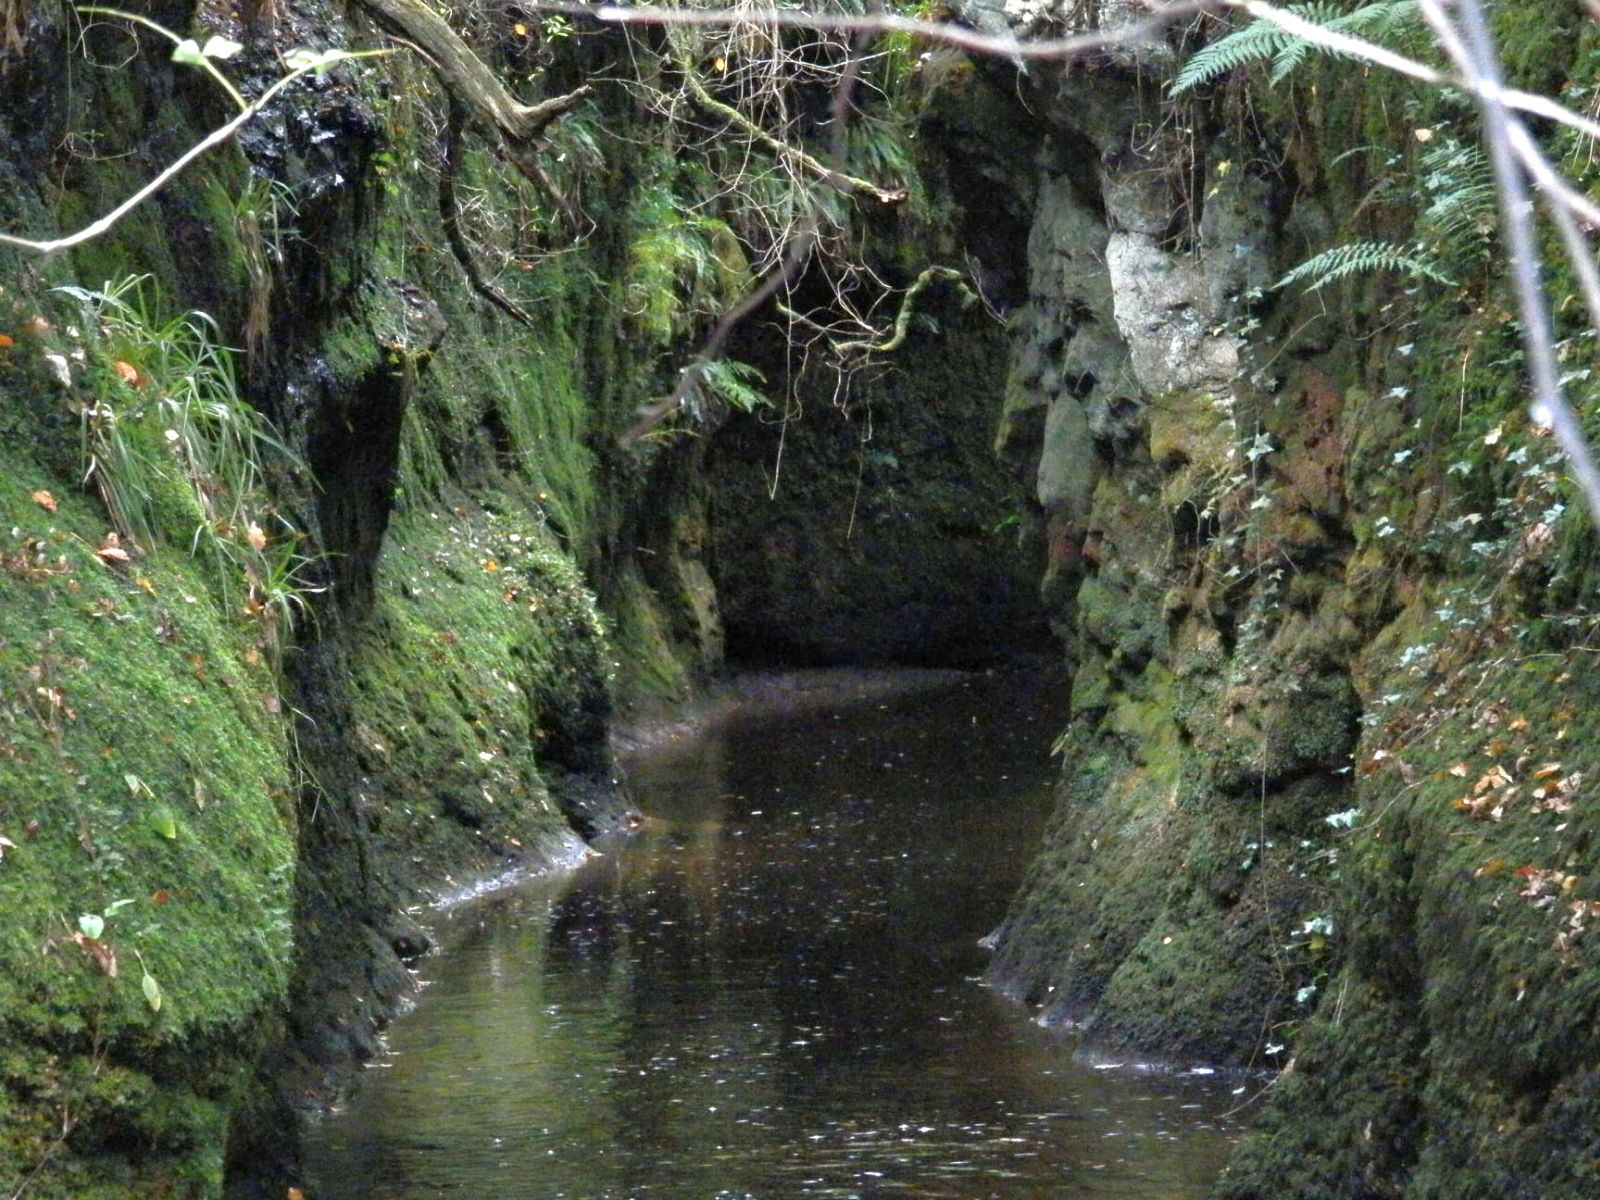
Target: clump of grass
(172,448)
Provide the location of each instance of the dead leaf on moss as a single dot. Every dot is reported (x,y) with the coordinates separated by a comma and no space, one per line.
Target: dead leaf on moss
(102,955)
(45,500)
(110,550)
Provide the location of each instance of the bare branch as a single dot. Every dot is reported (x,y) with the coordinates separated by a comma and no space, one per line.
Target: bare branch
(450,217)
(902,320)
(872,24)
(1516,215)
(849,184)
(211,141)
(468,77)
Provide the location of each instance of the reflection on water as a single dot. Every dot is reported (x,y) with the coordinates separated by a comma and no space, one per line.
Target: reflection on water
(771,992)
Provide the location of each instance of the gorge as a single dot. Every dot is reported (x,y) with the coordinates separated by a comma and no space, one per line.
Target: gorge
(504,421)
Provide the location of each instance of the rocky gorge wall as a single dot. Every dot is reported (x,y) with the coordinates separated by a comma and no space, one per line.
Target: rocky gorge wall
(1323,807)
(1326,603)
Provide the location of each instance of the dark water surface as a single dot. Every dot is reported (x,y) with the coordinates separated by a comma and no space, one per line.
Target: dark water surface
(772,992)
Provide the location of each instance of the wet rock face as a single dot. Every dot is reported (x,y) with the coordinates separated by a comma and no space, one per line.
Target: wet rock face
(1206,717)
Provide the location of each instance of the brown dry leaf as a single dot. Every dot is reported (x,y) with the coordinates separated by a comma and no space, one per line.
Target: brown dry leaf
(110,550)
(1549,769)
(1494,777)
(36,325)
(253,535)
(1518,724)
(103,955)
(45,500)
(5,342)
(127,372)
(1459,770)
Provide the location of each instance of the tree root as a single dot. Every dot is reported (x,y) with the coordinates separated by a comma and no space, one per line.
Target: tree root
(468,79)
(450,217)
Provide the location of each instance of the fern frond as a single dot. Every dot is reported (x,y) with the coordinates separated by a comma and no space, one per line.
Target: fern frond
(1260,41)
(1256,42)
(1464,202)
(1358,258)
(735,382)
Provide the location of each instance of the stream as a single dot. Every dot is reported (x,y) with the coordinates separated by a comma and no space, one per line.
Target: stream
(772,991)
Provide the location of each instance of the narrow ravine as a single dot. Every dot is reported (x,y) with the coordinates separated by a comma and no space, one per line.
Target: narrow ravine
(772,992)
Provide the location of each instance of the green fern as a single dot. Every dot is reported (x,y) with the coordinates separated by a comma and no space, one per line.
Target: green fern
(1261,41)
(1359,258)
(734,382)
(1463,211)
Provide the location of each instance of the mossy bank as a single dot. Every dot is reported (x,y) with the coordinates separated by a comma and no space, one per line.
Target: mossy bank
(333,542)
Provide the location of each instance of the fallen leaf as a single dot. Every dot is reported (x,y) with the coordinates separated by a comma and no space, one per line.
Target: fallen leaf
(45,501)
(1459,770)
(5,844)
(160,896)
(110,550)
(253,535)
(127,372)
(103,955)
(152,991)
(520,30)
(5,342)
(1518,724)
(36,325)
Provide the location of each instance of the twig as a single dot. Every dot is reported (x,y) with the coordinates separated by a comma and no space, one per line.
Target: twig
(874,24)
(849,184)
(450,216)
(902,320)
(1476,48)
(210,142)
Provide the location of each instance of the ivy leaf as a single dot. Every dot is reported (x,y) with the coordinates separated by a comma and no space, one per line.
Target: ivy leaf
(92,925)
(303,59)
(218,46)
(194,54)
(152,991)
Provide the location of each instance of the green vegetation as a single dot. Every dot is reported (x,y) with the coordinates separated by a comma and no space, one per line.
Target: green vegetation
(149,832)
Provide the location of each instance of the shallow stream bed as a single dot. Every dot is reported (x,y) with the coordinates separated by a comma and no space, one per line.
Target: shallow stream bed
(772,991)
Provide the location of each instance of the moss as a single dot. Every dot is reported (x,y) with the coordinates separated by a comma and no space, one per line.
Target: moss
(483,665)
(177,804)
